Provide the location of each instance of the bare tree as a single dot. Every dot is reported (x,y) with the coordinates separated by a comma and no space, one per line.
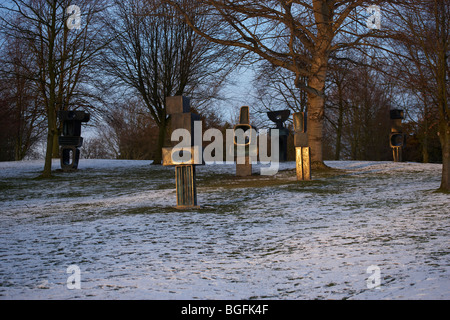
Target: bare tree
(366,125)
(95,148)
(299,36)
(21,118)
(128,131)
(337,104)
(157,55)
(276,90)
(62,43)
(421,37)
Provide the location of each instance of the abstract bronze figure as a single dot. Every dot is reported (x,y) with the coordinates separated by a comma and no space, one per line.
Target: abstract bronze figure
(71,139)
(397,138)
(279,117)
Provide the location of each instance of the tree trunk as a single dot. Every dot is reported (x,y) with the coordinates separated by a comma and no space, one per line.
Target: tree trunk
(50,139)
(18,148)
(51,109)
(315,128)
(339,127)
(424,138)
(316,105)
(425,154)
(441,14)
(444,135)
(55,152)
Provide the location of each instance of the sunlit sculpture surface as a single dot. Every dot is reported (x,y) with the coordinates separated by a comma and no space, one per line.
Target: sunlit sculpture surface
(302,151)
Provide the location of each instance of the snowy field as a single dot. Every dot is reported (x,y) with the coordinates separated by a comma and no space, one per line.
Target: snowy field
(253,238)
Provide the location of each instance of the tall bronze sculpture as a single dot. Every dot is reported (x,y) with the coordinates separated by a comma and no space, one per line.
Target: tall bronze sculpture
(302,151)
(71,139)
(397,138)
(279,118)
(185,155)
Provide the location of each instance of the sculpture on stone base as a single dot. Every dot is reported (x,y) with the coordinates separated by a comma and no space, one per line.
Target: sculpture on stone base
(184,156)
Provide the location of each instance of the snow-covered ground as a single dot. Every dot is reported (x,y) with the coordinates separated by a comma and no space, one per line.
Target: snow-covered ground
(278,239)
